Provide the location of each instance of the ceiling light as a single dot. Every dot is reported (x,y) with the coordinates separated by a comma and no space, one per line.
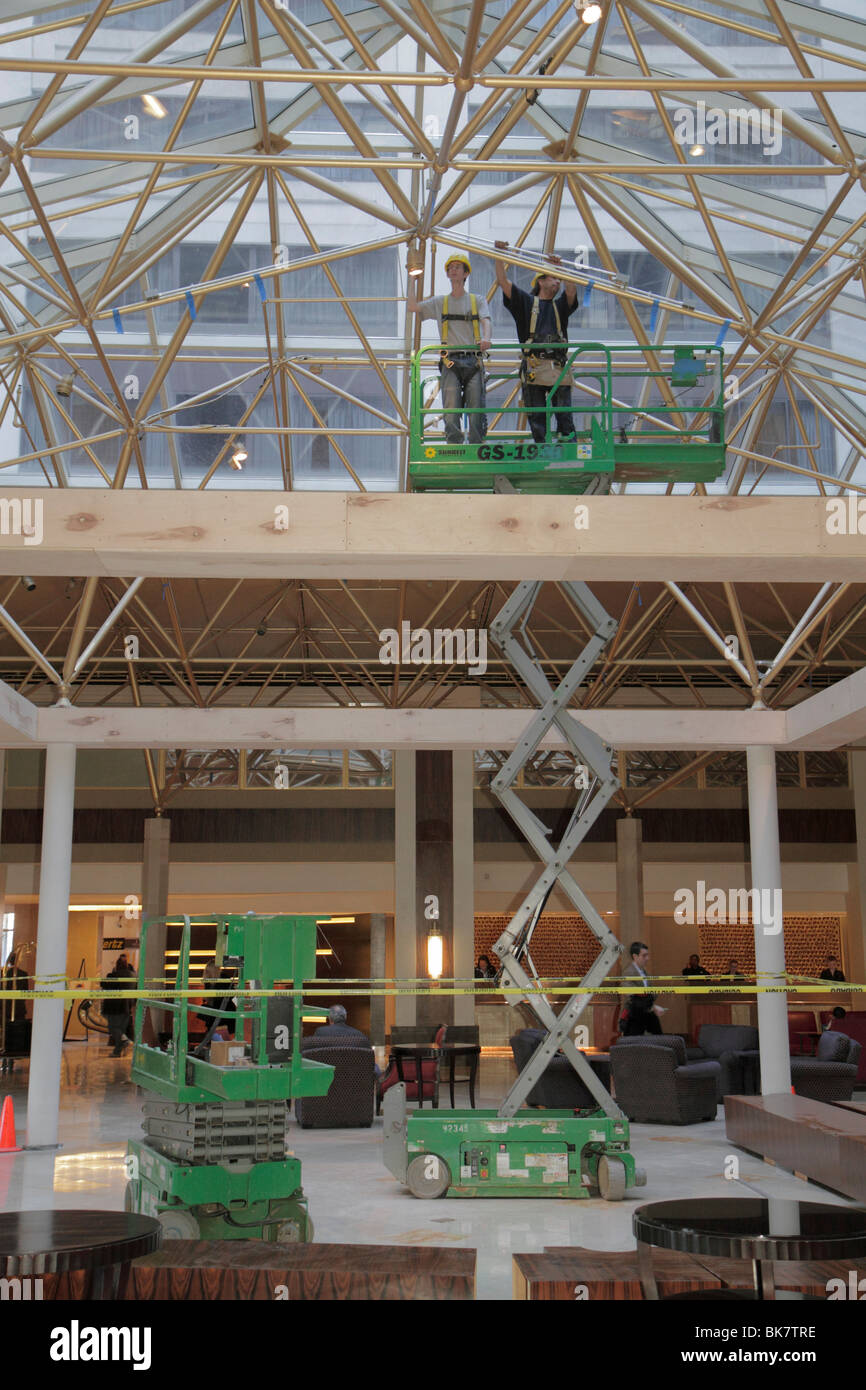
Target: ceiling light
(696,151)
(589,14)
(153,106)
(415,261)
(64,385)
(239,457)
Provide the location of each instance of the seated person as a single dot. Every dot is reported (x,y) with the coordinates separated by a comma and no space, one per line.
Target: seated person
(733,969)
(831,970)
(694,966)
(337,1030)
(484,970)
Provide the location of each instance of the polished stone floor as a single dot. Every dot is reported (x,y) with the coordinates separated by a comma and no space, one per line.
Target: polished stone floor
(353,1198)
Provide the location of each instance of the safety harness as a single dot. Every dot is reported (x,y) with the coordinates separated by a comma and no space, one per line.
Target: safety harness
(540,367)
(472,316)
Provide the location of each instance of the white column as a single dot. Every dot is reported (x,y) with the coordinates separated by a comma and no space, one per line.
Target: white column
(464,879)
(55,871)
(768,920)
(405,967)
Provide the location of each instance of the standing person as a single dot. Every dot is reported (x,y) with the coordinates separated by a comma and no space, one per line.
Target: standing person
(542,317)
(831,970)
(464,332)
(642,1014)
(118,1012)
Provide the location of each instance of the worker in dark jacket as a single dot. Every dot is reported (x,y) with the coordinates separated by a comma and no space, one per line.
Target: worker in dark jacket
(118,1012)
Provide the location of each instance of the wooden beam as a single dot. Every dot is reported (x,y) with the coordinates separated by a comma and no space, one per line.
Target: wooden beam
(235,535)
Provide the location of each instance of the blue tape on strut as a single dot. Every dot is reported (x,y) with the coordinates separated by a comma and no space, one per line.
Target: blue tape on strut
(260,286)
(118,325)
(723,332)
(654,316)
(587,296)
(190,303)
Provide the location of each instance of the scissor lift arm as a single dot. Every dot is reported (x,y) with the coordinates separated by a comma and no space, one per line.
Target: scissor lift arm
(591,752)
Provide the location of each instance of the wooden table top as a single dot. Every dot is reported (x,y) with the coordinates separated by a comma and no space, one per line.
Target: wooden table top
(54,1242)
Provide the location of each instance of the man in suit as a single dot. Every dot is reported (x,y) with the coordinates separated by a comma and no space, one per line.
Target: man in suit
(641,1014)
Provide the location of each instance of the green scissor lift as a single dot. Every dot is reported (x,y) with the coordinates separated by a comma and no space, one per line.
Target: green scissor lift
(515,1152)
(633,422)
(214,1165)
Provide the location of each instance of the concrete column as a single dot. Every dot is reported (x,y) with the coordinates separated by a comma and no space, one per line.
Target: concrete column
(155,863)
(464,880)
(55,873)
(404,881)
(767,919)
(855,952)
(629,882)
(434,872)
(377,972)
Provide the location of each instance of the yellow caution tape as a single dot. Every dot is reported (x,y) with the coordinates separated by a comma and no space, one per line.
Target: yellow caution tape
(337,987)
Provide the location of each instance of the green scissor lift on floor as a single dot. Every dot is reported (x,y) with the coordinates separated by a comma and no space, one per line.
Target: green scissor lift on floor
(514,1152)
(213,1164)
(634,422)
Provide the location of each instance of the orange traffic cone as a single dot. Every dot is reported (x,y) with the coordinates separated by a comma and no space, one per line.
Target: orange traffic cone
(7,1129)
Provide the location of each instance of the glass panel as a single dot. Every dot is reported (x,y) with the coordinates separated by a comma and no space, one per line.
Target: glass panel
(202,768)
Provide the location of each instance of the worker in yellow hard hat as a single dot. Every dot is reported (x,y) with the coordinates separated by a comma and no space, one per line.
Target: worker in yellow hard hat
(464,332)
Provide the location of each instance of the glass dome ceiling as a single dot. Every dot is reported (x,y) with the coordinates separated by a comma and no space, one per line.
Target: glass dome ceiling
(205,211)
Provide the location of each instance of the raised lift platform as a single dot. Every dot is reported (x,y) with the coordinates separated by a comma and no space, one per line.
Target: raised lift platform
(633,423)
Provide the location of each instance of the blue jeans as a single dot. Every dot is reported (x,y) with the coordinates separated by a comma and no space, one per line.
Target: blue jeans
(463,386)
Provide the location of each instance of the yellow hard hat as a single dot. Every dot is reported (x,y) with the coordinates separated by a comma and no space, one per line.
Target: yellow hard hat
(539,275)
(462,258)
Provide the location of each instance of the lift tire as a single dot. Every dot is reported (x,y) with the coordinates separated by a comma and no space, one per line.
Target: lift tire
(294,1231)
(178,1224)
(428,1176)
(611,1178)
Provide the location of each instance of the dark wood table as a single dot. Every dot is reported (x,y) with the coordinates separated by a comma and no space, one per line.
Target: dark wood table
(446,1051)
(100,1243)
(242,1270)
(748,1228)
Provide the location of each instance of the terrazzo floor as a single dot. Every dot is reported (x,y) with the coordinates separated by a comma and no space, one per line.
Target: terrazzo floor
(354,1199)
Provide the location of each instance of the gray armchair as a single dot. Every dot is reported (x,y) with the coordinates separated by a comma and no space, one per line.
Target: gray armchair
(351,1099)
(726,1043)
(831,1073)
(560,1087)
(654,1084)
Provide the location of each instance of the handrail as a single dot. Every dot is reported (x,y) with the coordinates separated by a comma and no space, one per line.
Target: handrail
(709,415)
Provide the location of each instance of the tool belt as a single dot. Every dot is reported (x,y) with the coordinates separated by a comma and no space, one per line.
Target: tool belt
(545,369)
(466,362)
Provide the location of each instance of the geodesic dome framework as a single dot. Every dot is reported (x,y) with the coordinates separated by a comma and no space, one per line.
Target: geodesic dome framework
(206,210)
